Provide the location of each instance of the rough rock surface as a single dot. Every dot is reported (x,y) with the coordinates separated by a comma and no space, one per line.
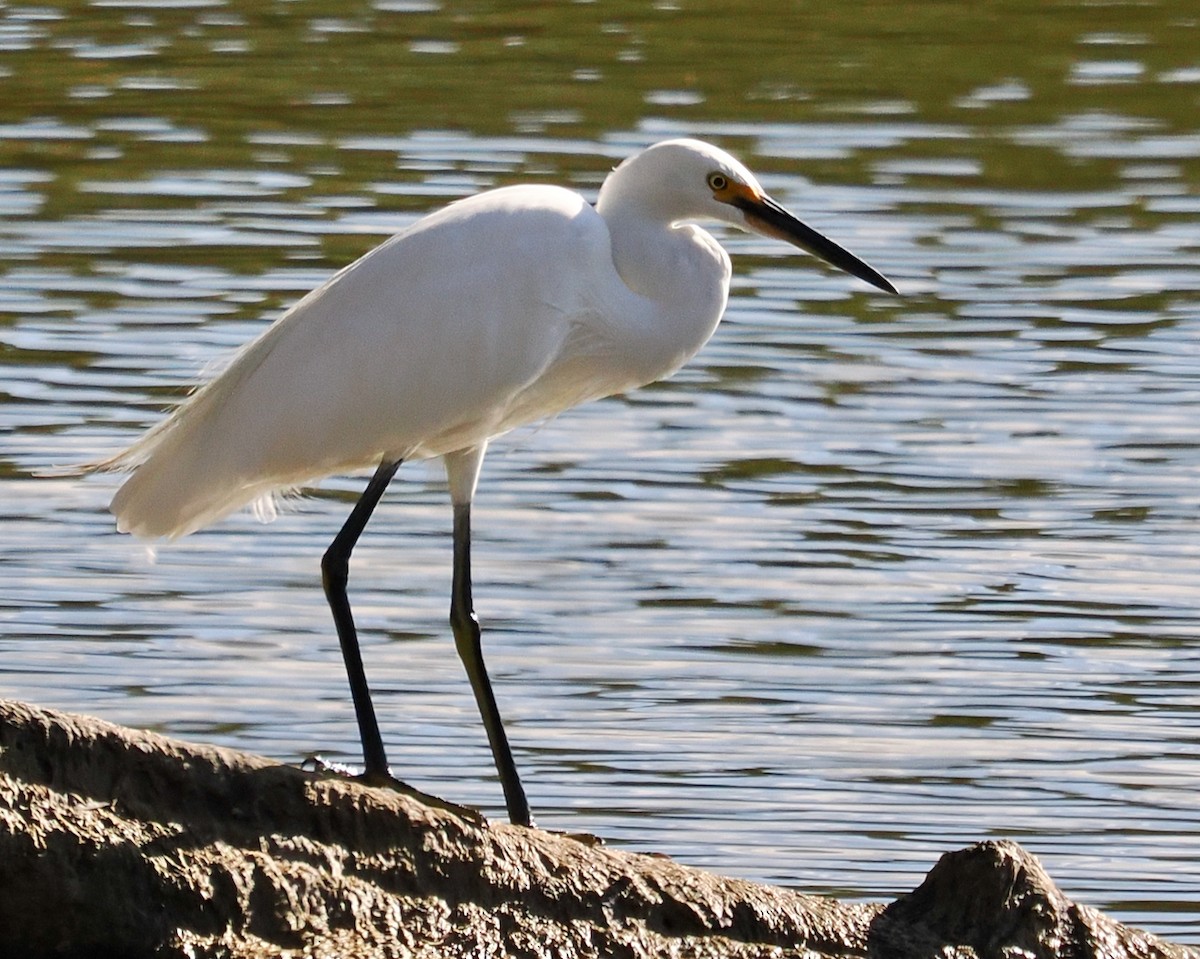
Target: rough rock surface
(115,842)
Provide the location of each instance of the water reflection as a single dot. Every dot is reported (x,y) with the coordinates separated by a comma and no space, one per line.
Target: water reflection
(870,580)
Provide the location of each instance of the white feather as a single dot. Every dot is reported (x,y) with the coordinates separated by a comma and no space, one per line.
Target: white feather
(499,310)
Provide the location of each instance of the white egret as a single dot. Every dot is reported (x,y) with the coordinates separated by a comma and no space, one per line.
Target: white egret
(498,310)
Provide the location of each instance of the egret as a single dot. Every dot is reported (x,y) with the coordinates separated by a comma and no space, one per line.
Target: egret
(498,310)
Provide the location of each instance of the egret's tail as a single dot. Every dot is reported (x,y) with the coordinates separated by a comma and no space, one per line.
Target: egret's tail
(163,498)
(179,479)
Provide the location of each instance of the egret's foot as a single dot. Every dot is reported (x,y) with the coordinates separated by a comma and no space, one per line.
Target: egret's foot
(334,770)
(328,769)
(586,838)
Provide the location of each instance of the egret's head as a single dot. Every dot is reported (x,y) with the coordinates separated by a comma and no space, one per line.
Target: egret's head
(678,180)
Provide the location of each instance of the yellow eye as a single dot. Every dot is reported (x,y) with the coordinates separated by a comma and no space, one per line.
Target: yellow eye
(717,182)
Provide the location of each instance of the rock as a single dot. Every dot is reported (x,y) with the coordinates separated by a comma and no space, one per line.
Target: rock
(125,843)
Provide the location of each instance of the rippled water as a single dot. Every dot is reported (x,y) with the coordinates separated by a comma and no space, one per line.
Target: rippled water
(871,579)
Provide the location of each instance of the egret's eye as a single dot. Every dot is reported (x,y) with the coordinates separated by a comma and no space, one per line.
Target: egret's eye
(717,182)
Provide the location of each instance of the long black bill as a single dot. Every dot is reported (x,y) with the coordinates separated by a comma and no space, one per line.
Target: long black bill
(767,216)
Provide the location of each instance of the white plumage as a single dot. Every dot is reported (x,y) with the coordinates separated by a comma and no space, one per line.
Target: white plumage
(498,310)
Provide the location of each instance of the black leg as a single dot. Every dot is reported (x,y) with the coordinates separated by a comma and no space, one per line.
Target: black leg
(466,639)
(335,569)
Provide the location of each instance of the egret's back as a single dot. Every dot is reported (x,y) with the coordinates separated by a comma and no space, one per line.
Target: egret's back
(428,344)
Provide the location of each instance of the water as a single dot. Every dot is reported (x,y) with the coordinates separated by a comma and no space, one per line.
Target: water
(870,580)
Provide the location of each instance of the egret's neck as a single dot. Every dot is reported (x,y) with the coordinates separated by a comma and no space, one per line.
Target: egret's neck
(680,267)
(681,275)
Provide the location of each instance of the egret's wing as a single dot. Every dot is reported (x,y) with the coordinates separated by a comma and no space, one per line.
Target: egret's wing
(419,348)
